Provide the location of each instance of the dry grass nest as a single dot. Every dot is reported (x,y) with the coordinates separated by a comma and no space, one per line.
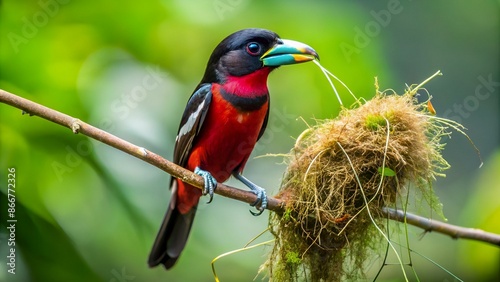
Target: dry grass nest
(341,173)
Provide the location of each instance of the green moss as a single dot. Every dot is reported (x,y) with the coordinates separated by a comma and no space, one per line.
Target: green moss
(287,215)
(373,122)
(293,258)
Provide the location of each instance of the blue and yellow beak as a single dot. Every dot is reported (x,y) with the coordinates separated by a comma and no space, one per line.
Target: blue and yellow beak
(288,52)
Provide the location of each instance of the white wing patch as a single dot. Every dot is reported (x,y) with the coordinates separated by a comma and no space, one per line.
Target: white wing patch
(188,126)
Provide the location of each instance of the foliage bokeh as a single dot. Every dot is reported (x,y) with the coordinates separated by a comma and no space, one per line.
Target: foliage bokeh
(86,211)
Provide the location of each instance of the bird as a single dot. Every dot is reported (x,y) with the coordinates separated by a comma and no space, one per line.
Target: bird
(225,116)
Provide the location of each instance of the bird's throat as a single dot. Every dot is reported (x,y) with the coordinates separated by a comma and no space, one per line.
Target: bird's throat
(248,86)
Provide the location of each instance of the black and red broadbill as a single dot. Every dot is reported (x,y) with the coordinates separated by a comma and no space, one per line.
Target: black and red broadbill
(225,116)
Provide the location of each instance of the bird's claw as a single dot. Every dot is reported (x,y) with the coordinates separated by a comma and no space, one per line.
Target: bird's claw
(210,183)
(261,201)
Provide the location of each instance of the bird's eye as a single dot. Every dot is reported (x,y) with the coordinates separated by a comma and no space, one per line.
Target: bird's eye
(253,48)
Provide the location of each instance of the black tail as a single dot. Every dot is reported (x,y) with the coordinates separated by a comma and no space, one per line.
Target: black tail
(172,236)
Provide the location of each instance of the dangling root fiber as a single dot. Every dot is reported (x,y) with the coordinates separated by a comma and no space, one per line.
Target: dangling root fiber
(337,170)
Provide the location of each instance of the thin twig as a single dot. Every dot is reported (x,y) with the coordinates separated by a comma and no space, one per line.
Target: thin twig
(453,231)
(274,204)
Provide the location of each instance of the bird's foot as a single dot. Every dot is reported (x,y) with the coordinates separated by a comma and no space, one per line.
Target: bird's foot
(261,200)
(210,183)
(261,203)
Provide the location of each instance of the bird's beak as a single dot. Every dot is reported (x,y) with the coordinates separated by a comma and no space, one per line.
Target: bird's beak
(288,52)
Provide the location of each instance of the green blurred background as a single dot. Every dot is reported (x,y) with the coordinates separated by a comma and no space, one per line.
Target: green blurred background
(87,212)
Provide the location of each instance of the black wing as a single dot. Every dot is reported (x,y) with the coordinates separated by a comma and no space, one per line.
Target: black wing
(192,119)
(264,124)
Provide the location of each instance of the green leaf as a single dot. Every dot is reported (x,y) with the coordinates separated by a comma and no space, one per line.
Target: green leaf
(386,171)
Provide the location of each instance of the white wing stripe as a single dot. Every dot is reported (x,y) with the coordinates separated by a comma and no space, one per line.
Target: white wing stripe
(188,126)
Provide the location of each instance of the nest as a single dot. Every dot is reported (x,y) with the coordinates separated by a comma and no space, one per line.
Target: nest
(341,173)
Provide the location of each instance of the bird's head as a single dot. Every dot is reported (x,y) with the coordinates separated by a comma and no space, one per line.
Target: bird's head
(254,52)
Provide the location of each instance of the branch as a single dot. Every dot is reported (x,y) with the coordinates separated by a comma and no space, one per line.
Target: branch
(453,231)
(274,204)
(78,126)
